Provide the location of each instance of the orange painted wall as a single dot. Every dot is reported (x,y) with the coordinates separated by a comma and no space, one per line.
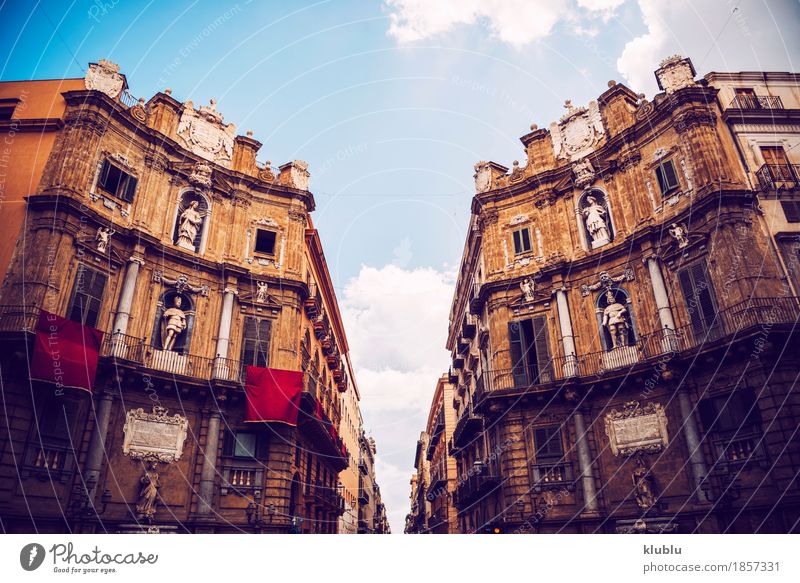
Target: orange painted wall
(23,152)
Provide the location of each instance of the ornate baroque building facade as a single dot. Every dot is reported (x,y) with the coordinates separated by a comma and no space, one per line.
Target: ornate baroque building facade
(623,327)
(153,223)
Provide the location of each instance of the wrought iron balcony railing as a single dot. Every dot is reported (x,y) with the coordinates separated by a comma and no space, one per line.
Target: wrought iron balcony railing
(756,102)
(778,177)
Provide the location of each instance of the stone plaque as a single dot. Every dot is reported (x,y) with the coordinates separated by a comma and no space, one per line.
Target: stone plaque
(154,436)
(637,429)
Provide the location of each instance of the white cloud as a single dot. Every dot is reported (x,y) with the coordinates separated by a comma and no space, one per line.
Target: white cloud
(397,328)
(516,22)
(641,55)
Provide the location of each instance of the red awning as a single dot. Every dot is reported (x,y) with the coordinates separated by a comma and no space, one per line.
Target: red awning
(273,395)
(65,352)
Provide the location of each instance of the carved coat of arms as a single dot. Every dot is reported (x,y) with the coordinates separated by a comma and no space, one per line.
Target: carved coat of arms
(203,132)
(104,76)
(577,132)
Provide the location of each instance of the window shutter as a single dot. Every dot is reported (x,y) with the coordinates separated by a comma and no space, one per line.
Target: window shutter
(262,342)
(662,182)
(102,180)
(130,189)
(517,361)
(248,342)
(699,298)
(526,240)
(87,296)
(548,443)
(517,243)
(542,351)
(670,176)
(228,443)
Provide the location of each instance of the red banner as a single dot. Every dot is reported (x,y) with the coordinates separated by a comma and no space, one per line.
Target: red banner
(273,395)
(65,352)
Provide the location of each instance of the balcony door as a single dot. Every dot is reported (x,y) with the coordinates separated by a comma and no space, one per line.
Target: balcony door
(700,303)
(530,357)
(777,163)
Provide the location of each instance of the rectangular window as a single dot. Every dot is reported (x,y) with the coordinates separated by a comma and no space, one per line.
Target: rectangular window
(667,177)
(730,412)
(87,296)
(547,443)
(245,445)
(700,304)
(255,342)
(745,98)
(791,209)
(522,241)
(530,356)
(265,242)
(51,440)
(116,182)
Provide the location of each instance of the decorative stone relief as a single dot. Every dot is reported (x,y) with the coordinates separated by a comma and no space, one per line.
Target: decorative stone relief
(154,436)
(674,73)
(584,173)
(517,173)
(201,175)
(518,220)
(149,485)
(181,283)
(204,134)
(298,174)
(605,280)
(577,132)
(265,173)
(104,76)
(483,177)
(637,429)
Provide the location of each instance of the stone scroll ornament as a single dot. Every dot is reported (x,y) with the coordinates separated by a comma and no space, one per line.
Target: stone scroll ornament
(607,281)
(637,429)
(181,283)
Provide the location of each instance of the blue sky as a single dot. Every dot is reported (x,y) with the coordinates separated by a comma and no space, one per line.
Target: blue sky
(392,103)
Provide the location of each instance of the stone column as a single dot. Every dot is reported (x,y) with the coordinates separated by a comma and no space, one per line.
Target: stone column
(97,444)
(225,318)
(126,296)
(567,336)
(585,462)
(692,436)
(662,304)
(209,470)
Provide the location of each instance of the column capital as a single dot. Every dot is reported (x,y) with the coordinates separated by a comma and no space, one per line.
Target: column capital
(230,290)
(136,258)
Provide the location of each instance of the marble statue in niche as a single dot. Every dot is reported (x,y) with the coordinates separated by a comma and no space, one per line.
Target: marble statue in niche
(173,324)
(680,233)
(528,287)
(615,320)
(190,222)
(594,216)
(261,292)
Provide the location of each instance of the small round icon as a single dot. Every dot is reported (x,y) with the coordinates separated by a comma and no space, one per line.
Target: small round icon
(31,556)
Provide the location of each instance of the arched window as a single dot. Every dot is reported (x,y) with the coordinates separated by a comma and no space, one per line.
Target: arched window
(174,321)
(615,319)
(191,221)
(594,219)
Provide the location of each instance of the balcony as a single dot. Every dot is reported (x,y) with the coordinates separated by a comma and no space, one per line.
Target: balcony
(555,475)
(735,322)
(363,495)
(315,422)
(475,487)
(328,496)
(756,102)
(476,300)
(773,177)
(362,466)
(313,303)
(742,447)
(452,376)
(468,326)
(468,424)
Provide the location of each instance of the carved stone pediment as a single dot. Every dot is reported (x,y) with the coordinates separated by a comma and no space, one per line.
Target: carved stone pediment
(104,76)
(203,133)
(578,132)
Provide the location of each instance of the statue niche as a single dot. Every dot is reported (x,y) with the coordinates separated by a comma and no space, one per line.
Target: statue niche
(616,320)
(190,223)
(596,219)
(173,323)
